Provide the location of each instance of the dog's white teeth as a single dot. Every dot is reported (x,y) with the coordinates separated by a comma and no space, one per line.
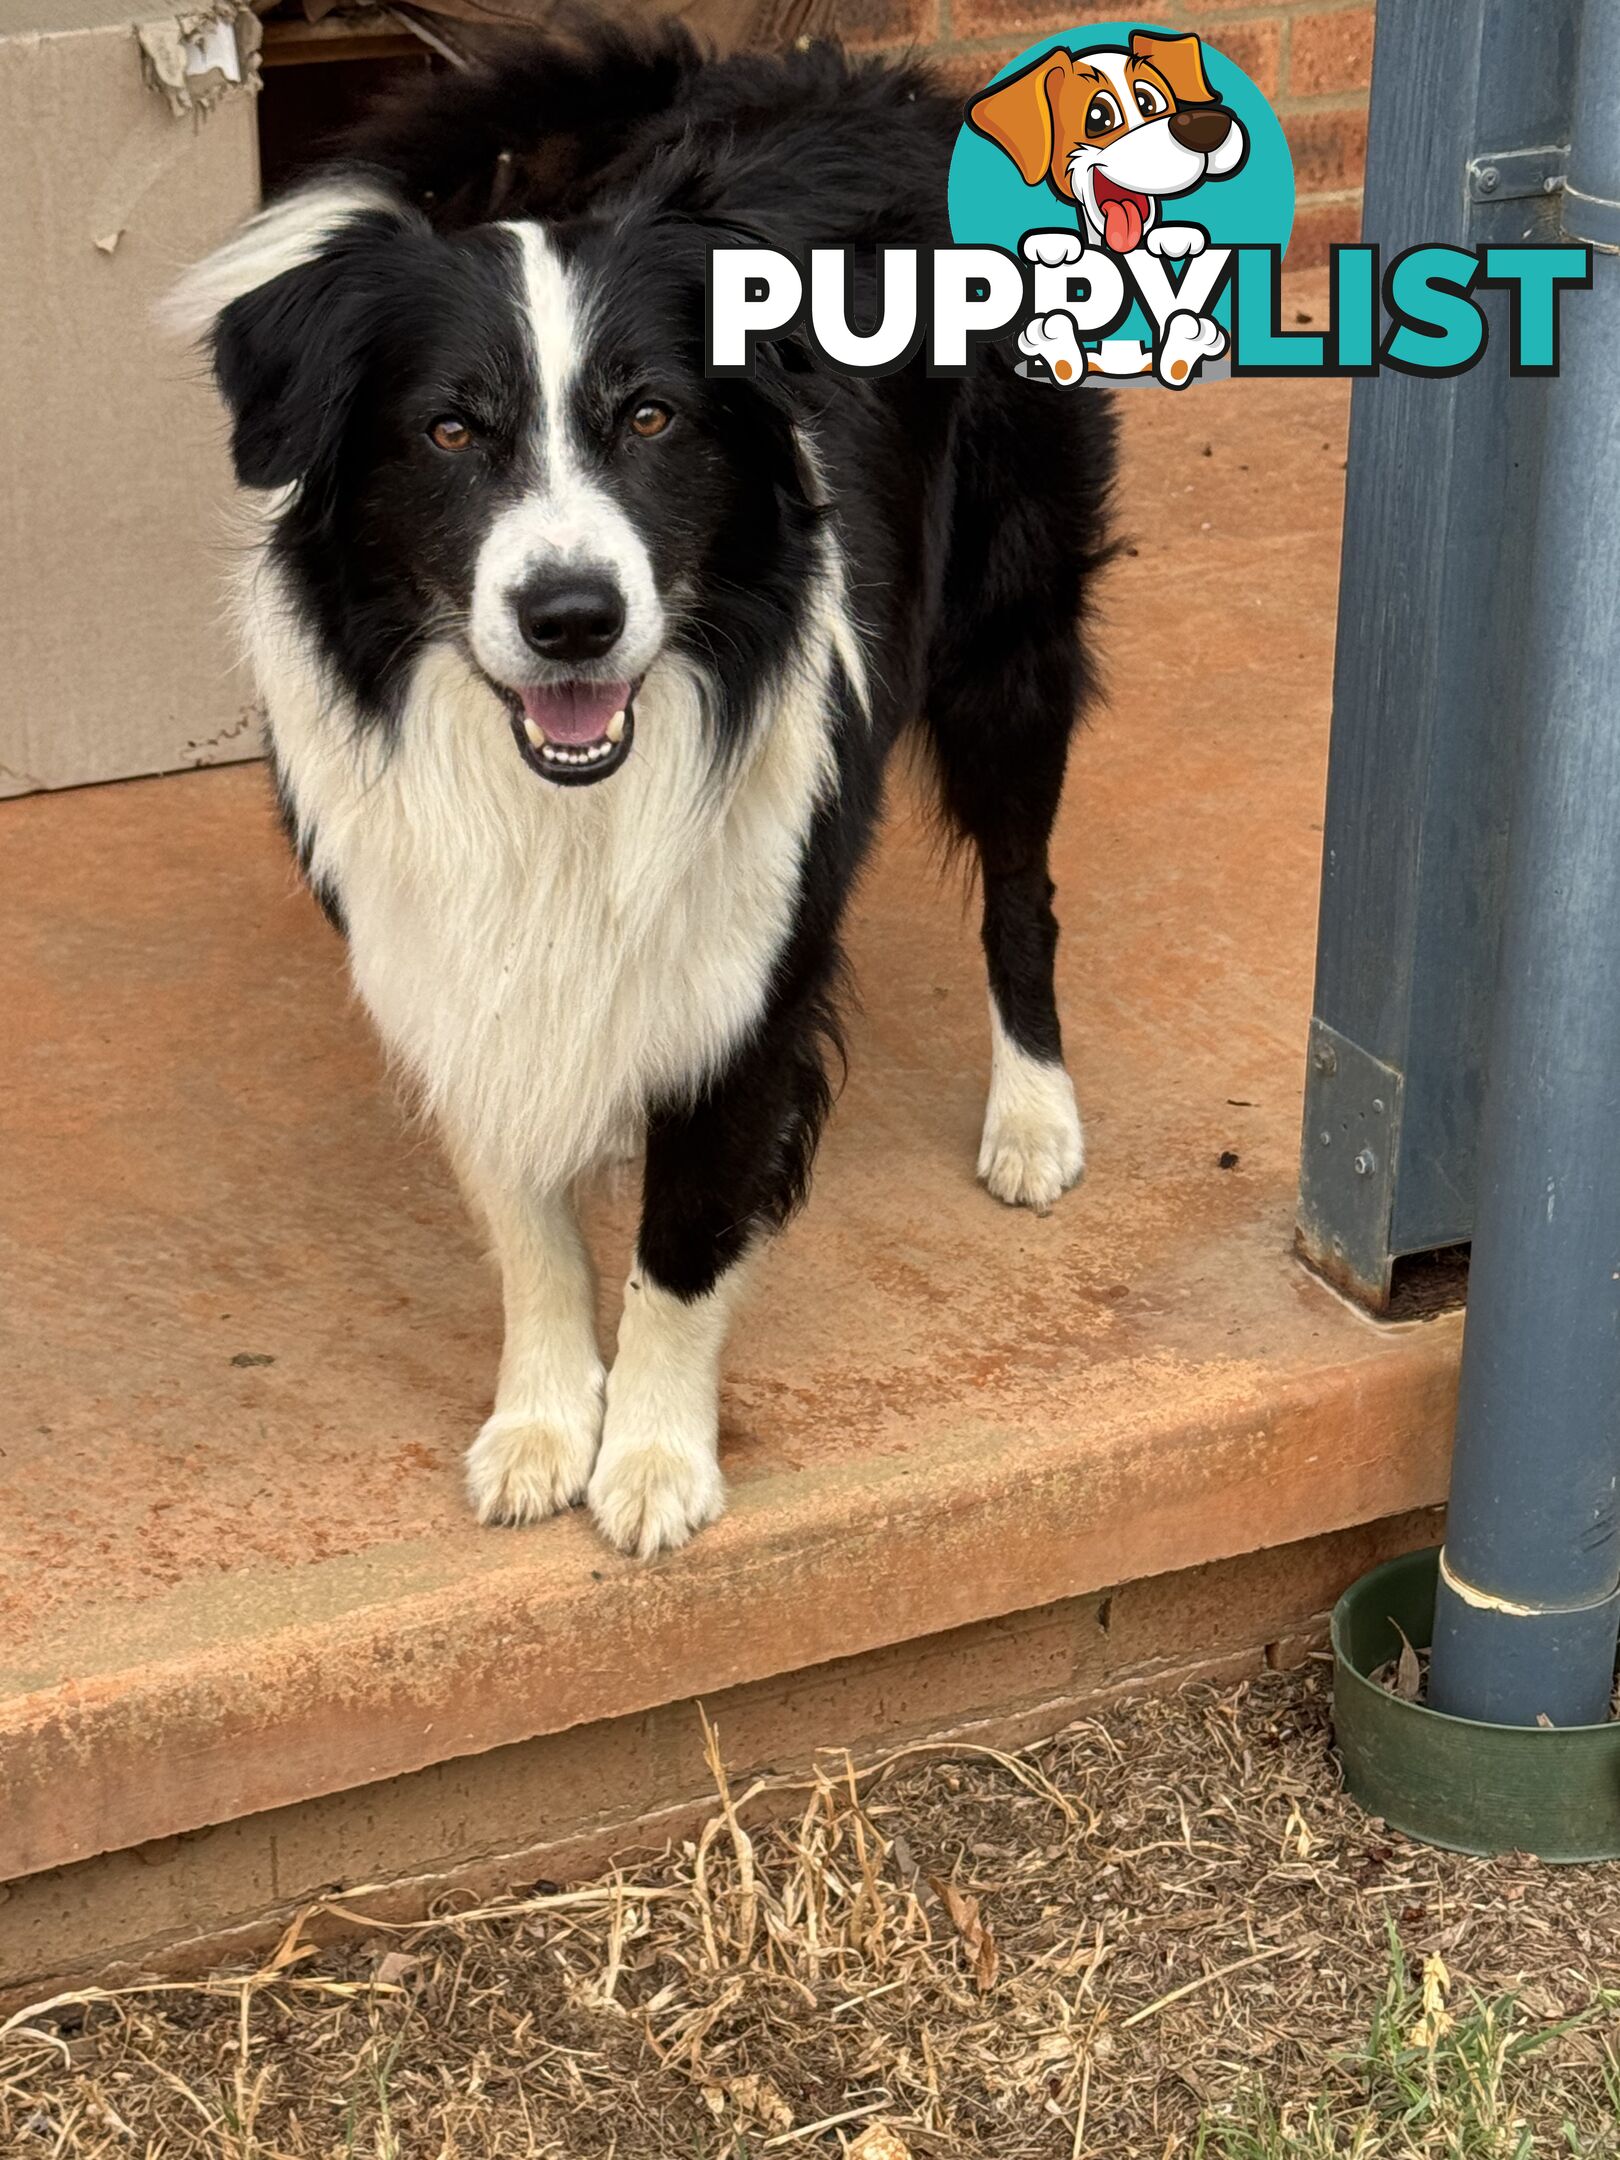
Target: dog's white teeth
(592,754)
(533,730)
(615,728)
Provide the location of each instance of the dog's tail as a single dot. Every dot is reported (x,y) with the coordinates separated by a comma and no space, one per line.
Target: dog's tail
(534,120)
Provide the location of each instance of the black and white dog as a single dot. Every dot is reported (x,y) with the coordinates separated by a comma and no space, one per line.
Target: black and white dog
(582,667)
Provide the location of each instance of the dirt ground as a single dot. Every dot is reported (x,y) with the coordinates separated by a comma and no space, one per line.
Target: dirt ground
(1165,1931)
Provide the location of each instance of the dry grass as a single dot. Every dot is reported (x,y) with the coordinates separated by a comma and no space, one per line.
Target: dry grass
(1163,1932)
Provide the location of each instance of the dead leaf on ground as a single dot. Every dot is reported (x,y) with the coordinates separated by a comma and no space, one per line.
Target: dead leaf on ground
(974,1931)
(758,2099)
(879,2142)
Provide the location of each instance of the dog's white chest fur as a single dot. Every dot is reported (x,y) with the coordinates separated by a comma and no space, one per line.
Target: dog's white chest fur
(542,961)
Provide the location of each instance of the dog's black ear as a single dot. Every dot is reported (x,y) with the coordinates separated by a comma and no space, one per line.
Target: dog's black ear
(287,309)
(288,358)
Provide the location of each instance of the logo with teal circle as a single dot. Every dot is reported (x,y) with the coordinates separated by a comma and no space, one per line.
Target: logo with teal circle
(1123,164)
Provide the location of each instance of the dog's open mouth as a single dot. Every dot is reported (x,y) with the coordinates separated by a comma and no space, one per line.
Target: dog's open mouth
(574,732)
(1123,211)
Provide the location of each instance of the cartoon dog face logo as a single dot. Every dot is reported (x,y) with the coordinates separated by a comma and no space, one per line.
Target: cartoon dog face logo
(1115,132)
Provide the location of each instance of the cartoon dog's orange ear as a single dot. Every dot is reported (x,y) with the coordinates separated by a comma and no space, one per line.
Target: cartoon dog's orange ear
(1180,60)
(1016,115)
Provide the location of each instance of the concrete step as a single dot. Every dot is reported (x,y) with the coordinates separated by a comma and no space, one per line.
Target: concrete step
(249,1333)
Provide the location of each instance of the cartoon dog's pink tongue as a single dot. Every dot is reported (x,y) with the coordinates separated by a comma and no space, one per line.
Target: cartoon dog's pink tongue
(579,712)
(1124,213)
(1122,226)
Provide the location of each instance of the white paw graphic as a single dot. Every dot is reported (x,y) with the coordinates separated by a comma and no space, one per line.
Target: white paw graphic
(1033,1149)
(1052,249)
(1176,241)
(654,1485)
(1052,338)
(1189,340)
(527,1464)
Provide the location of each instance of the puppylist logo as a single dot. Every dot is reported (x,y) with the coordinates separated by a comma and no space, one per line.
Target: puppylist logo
(1120,201)
(1123,133)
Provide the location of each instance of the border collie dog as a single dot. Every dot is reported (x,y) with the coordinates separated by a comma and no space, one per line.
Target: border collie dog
(582,667)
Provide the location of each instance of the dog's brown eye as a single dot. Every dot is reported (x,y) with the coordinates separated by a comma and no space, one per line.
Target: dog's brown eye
(1102,114)
(650,419)
(450,434)
(1149,102)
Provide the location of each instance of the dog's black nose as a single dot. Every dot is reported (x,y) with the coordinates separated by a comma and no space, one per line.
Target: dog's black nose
(570,615)
(1203,128)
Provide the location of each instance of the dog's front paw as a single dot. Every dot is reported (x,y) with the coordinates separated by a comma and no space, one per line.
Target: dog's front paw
(1053,249)
(1033,1149)
(1189,340)
(527,1464)
(1176,241)
(654,1484)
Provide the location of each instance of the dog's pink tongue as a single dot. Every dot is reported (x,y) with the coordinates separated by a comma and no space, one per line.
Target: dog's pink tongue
(575,712)
(1122,225)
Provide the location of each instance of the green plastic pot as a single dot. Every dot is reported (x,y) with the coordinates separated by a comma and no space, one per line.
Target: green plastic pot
(1450,1781)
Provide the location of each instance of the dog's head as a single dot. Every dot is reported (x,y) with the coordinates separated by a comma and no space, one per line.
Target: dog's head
(1113,131)
(501,437)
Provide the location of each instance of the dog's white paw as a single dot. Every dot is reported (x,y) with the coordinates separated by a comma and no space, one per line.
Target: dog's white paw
(527,1464)
(1052,249)
(1033,1149)
(658,1478)
(1176,241)
(1052,338)
(1188,341)
(654,1484)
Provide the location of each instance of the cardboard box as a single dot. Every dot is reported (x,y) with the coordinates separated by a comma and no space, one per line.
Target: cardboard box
(126,150)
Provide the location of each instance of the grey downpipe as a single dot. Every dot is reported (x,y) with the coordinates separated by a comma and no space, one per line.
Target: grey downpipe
(1529,1597)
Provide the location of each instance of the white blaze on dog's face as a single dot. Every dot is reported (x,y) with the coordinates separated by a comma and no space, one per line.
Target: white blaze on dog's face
(566,614)
(1115,131)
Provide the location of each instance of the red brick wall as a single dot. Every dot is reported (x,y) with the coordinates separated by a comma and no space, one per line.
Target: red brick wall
(1310,57)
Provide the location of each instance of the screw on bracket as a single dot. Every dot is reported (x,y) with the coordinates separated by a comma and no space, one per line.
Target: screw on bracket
(1365,1163)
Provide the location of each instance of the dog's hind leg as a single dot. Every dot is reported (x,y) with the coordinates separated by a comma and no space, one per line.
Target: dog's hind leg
(1032,1149)
(1008,678)
(535,1451)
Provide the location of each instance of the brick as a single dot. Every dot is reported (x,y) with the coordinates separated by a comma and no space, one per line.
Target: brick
(1025,20)
(1318,227)
(864,24)
(1331,54)
(1255,47)
(1186,10)
(962,73)
(1330,149)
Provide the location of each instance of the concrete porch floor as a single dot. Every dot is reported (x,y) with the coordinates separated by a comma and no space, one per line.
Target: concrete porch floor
(247,1333)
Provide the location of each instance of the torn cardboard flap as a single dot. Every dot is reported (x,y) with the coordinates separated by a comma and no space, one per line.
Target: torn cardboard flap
(196,59)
